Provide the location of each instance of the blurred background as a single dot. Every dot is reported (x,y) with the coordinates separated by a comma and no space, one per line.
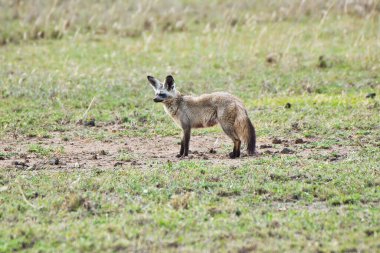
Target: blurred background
(41,19)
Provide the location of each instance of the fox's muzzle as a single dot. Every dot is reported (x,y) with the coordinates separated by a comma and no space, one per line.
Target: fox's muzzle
(157,99)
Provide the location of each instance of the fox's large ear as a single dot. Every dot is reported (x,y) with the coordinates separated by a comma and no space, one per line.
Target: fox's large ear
(169,83)
(154,82)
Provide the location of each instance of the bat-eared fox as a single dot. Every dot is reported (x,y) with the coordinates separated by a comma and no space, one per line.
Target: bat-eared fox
(205,111)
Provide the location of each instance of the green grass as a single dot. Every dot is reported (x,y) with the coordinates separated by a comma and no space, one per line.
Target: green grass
(323,200)
(38,149)
(272,204)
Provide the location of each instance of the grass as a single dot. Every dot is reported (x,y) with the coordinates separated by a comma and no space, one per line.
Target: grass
(38,149)
(323,200)
(266,203)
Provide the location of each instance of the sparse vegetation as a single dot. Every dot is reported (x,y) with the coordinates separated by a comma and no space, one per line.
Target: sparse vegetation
(87,159)
(125,156)
(38,149)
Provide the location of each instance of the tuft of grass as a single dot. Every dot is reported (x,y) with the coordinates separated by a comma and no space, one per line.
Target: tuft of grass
(181,201)
(40,150)
(44,151)
(73,201)
(126,156)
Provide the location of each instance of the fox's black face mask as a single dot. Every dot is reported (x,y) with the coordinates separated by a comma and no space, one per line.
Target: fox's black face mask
(160,97)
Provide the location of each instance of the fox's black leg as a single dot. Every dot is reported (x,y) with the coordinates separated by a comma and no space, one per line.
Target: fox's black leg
(236,151)
(186,141)
(233,153)
(229,129)
(182,149)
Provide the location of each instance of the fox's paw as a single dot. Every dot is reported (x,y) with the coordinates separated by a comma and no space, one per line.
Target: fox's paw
(232,155)
(184,156)
(181,156)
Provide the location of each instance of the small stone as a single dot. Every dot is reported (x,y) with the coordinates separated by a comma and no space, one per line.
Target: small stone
(212,151)
(295,126)
(103,152)
(76,165)
(369,232)
(266,146)
(118,164)
(20,165)
(299,141)
(89,122)
(276,141)
(287,151)
(54,161)
(234,22)
(322,63)
(371,95)
(272,58)
(94,157)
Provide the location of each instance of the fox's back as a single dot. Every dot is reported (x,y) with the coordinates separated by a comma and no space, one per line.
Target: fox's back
(203,110)
(215,99)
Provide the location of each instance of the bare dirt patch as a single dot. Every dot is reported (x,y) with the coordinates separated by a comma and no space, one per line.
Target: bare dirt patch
(89,153)
(141,152)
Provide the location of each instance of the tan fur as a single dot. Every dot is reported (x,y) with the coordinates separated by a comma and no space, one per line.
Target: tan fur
(209,109)
(205,111)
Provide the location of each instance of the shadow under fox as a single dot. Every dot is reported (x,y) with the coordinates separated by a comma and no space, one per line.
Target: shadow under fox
(205,111)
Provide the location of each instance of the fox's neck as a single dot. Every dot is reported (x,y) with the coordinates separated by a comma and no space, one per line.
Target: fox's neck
(172,105)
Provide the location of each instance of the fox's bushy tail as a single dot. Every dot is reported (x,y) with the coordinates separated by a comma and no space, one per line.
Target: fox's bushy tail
(250,138)
(246,132)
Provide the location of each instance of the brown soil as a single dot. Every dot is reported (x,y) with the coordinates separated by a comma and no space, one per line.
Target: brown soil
(79,153)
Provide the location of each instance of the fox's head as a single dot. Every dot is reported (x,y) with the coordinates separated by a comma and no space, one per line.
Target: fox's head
(164,91)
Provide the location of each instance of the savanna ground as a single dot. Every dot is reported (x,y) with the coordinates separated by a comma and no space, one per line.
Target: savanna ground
(87,159)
